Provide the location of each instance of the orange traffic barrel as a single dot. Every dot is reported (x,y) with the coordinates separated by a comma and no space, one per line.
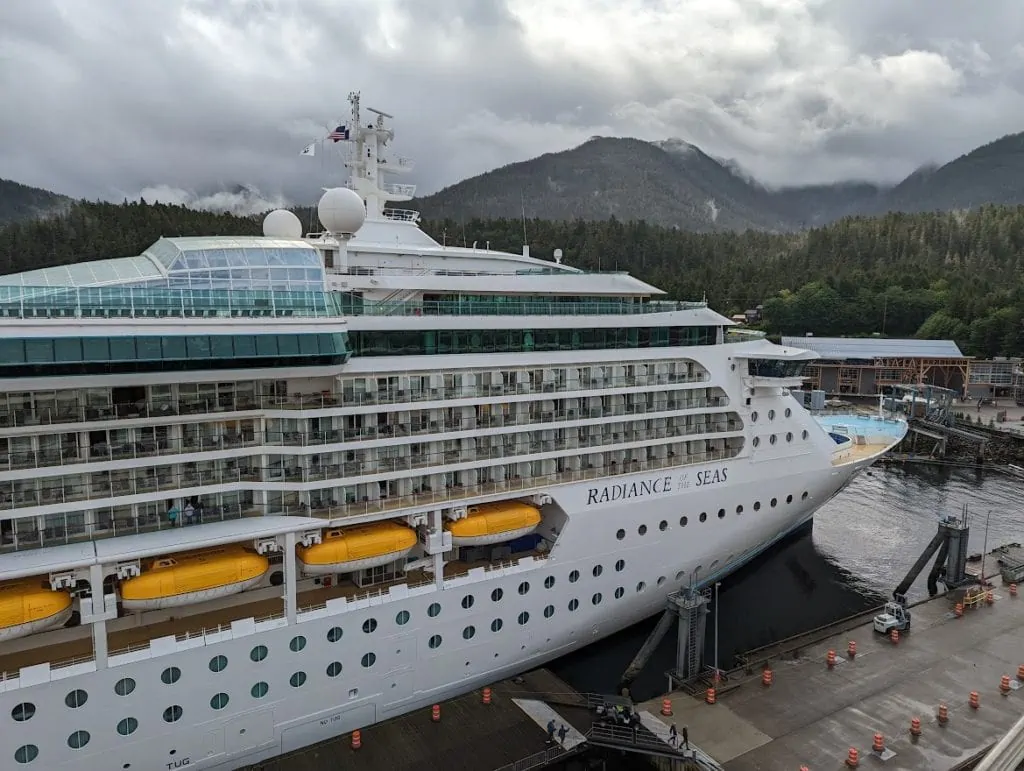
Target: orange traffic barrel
(666,707)
(915,726)
(852,758)
(878,743)
(830,659)
(357,739)
(487,695)
(989,597)
(851,649)
(1004,685)
(767,677)
(943,715)
(435,713)
(709,697)
(1020,673)
(894,635)
(1013,590)
(973,701)
(958,611)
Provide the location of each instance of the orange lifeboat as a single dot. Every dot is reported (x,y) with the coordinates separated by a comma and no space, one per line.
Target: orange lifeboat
(347,549)
(489,523)
(29,605)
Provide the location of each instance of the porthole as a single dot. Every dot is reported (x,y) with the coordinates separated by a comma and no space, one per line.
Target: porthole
(468,632)
(434,642)
(804,495)
(549,611)
(334,669)
(753,416)
(640,586)
(803,434)
(574,576)
(26,753)
(297,680)
(739,509)
(597,571)
(757,505)
(401,618)
(789,499)
(788,412)
(684,521)
(496,625)
(496,595)
(218,663)
(620,533)
(549,582)
(619,591)
(756,441)
(703,516)
(433,610)
(370,625)
(124,686)
(721,513)
(774,502)
(620,565)
(23,711)
(467,601)
(661,580)
(680,574)
(170,675)
(172,714)
(524,617)
(76,698)
(573,604)
(524,587)
(772,438)
(127,726)
(596,599)
(258,653)
(663,526)
(259,690)
(78,739)
(297,643)
(789,436)
(219,701)
(642,530)
(771,414)
(335,633)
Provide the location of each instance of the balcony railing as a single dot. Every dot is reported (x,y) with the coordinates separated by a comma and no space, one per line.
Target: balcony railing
(527,306)
(325,510)
(75,412)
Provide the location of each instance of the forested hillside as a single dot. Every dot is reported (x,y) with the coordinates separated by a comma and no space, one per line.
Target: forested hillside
(18,202)
(956,275)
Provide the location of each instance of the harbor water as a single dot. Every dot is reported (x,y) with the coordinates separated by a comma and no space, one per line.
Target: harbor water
(860,546)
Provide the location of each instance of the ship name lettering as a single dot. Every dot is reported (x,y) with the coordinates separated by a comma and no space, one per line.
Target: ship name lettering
(180,763)
(712,476)
(626,490)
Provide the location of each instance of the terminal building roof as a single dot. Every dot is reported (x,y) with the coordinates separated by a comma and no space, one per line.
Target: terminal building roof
(865,348)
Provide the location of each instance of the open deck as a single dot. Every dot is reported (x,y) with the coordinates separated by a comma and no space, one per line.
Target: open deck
(811,715)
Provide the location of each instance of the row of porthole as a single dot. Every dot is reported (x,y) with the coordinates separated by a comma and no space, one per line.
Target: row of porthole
(684,520)
(771,415)
(774,438)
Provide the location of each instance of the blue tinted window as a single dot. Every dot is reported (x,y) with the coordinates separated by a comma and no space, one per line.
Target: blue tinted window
(122,348)
(174,347)
(148,348)
(198,347)
(266,345)
(67,349)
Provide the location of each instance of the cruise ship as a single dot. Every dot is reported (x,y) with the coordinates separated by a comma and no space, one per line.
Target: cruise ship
(260,491)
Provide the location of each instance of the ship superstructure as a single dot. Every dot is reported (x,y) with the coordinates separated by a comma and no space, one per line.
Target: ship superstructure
(259,491)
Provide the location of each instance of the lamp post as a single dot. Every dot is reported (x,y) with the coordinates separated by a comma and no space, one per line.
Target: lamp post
(984,549)
(717,584)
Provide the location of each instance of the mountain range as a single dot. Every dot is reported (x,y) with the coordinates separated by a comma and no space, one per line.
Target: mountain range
(676,184)
(671,183)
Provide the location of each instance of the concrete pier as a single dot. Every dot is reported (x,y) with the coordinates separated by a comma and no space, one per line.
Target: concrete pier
(812,715)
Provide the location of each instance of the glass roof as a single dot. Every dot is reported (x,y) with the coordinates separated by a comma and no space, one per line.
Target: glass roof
(122,270)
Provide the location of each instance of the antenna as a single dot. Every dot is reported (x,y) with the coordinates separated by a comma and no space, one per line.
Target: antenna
(522,204)
(381,113)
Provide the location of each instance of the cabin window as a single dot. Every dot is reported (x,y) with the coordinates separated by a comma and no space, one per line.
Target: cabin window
(218,663)
(496,595)
(684,521)
(127,726)
(334,669)
(170,676)
(496,625)
(124,686)
(402,618)
(259,690)
(297,680)
(620,565)
(433,610)
(573,604)
(26,753)
(524,587)
(468,632)
(597,571)
(596,599)
(76,698)
(642,530)
(467,601)
(574,576)
(549,611)
(434,641)
(549,582)
(335,632)
(297,643)
(258,653)
(640,587)
(619,592)
(370,625)
(219,701)
(368,660)
(173,714)
(23,712)
(78,739)
(524,617)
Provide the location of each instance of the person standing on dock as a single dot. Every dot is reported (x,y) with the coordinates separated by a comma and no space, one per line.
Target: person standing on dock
(673,735)
(551,730)
(686,738)
(562,733)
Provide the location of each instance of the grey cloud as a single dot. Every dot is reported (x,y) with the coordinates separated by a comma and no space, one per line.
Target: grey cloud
(108,98)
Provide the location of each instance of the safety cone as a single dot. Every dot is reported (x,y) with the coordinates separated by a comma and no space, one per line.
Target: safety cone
(487,695)
(357,739)
(435,713)
(915,726)
(666,707)
(852,758)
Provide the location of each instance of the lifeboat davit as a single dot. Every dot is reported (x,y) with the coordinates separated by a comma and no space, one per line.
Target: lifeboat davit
(29,605)
(344,550)
(497,522)
(192,577)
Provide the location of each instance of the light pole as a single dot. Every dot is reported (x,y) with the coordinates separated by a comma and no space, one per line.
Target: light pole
(984,548)
(717,584)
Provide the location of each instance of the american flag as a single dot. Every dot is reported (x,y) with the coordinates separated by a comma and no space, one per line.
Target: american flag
(339,134)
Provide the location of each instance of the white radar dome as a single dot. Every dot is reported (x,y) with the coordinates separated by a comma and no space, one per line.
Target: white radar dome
(341,210)
(281,223)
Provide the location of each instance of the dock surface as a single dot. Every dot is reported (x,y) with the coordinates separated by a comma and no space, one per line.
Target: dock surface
(470,736)
(811,715)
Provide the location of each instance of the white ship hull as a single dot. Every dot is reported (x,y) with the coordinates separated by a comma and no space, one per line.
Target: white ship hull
(637,572)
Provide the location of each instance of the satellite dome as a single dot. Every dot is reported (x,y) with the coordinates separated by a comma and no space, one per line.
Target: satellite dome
(341,210)
(281,223)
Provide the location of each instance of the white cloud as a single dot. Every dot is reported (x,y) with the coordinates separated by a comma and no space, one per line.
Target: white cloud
(201,94)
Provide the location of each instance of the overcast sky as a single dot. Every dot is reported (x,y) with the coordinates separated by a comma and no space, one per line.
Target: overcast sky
(107,98)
